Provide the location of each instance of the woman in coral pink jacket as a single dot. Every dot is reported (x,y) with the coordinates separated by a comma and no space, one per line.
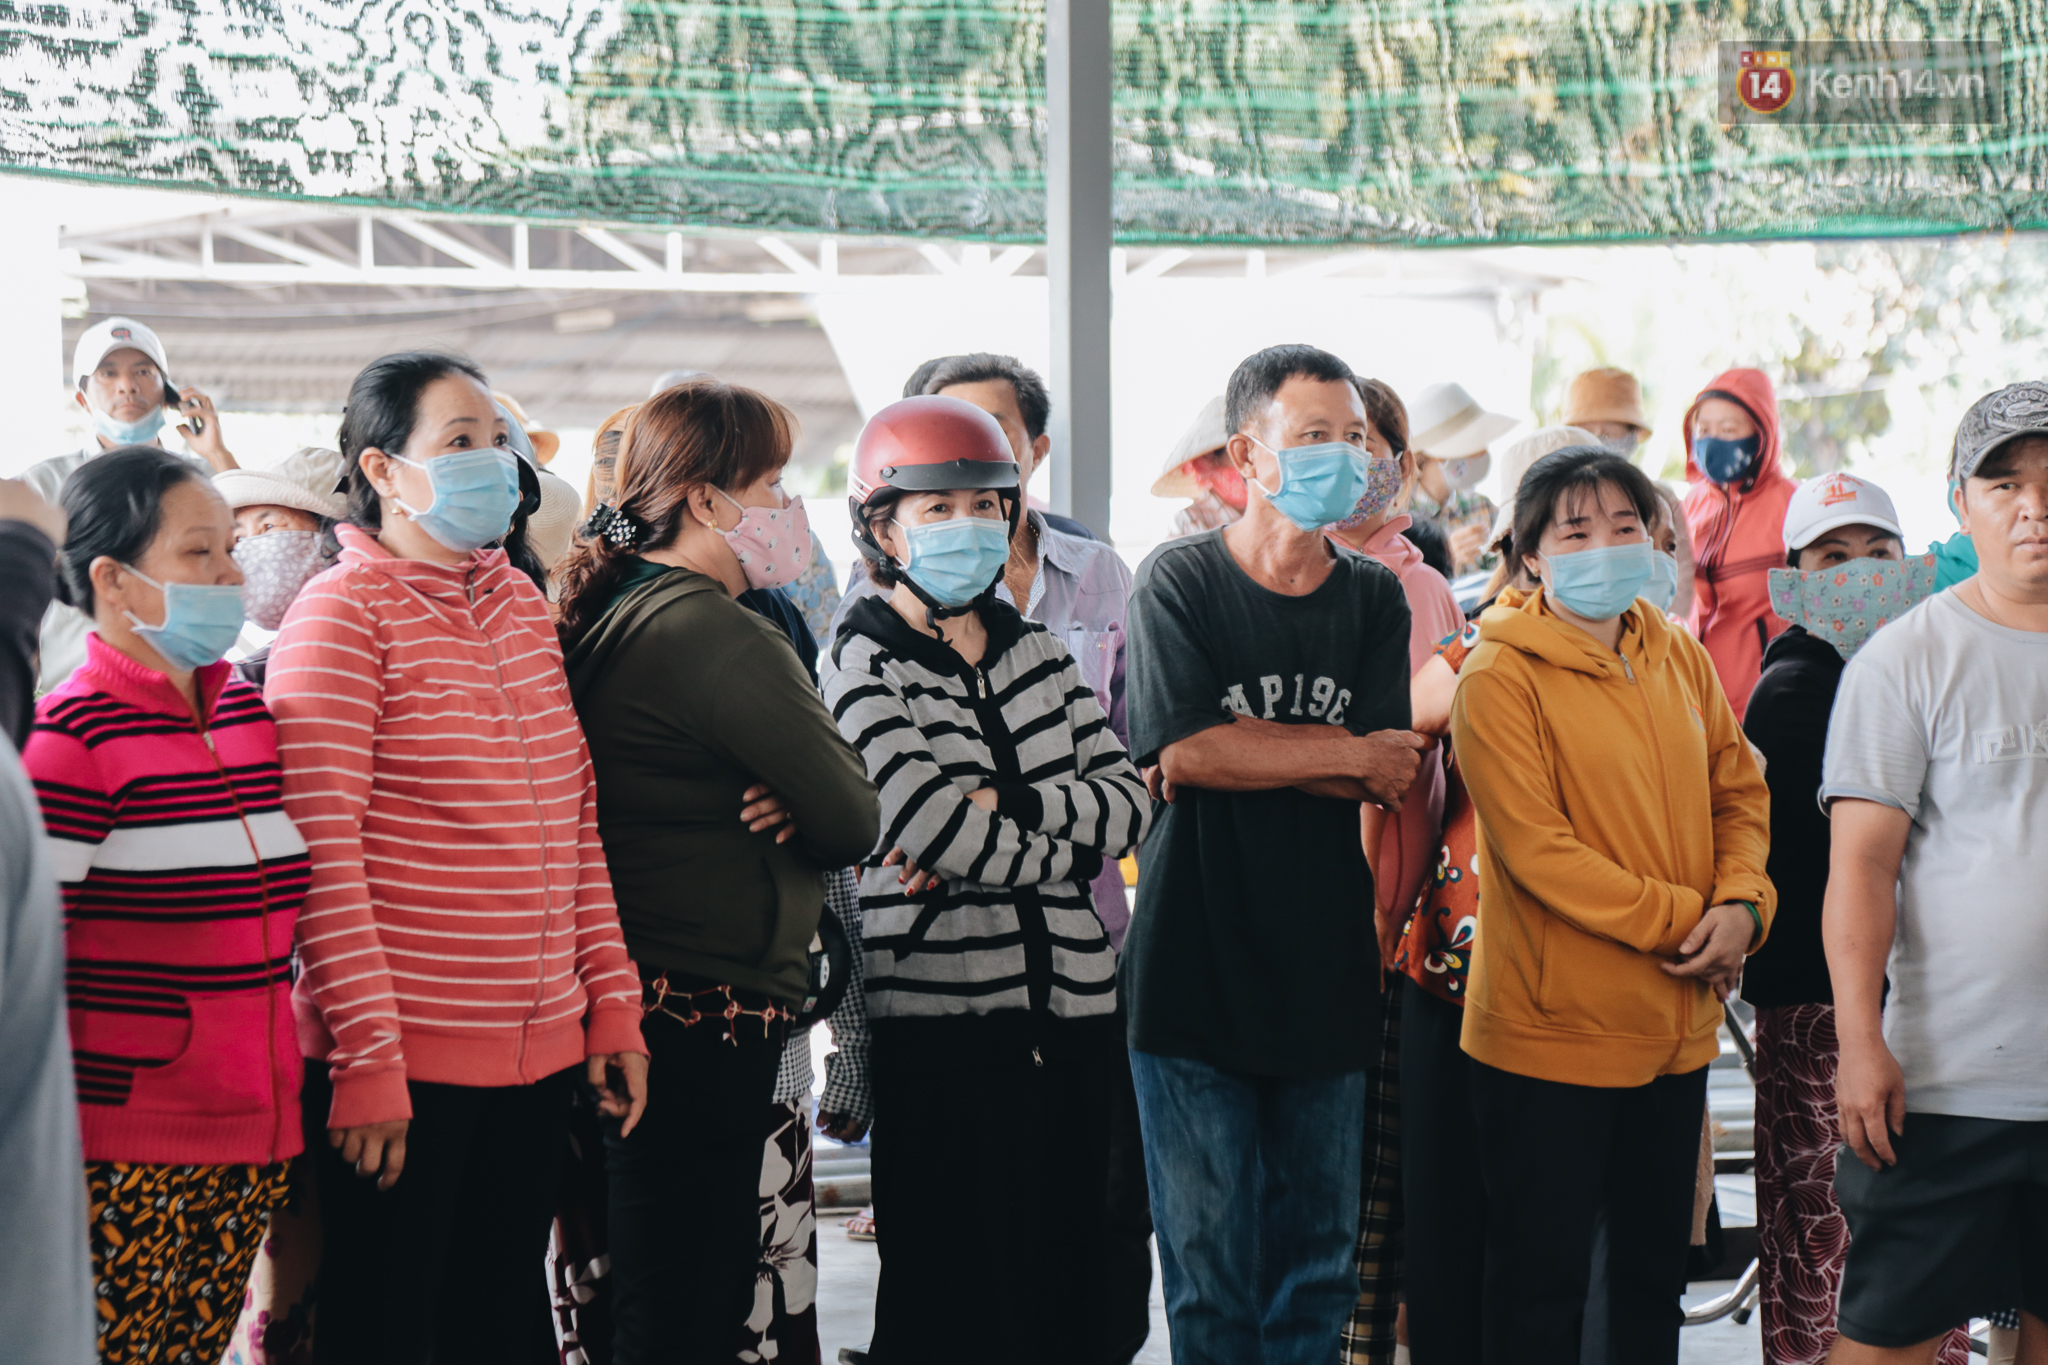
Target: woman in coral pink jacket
(1735,505)
(462,965)
(156,769)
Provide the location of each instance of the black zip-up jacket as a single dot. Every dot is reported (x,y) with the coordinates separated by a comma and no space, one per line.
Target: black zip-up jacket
(1788,720)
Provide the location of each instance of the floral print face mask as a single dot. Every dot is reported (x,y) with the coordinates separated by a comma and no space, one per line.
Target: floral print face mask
(1845,603)
(1382,482)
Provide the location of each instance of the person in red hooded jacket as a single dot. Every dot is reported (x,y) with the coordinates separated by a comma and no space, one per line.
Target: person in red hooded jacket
(1735,505)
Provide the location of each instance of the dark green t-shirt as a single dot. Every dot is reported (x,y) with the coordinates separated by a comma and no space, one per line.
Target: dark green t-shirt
(1252,947)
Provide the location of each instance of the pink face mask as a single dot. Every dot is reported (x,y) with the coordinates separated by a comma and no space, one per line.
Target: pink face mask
(772,544)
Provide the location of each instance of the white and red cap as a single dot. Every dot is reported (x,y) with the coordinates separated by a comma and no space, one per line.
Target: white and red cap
(1834,500)
(102,339)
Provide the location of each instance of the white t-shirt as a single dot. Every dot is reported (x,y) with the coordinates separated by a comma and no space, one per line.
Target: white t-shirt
(1944,715)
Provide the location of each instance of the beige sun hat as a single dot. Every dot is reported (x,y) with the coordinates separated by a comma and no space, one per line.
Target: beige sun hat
(306,479)
(1205,435)
(1516,457)
(550,529)
(544,442)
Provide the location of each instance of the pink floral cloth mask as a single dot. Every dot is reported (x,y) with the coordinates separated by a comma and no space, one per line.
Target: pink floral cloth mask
(1845,603)
(772,544)
(1382,482)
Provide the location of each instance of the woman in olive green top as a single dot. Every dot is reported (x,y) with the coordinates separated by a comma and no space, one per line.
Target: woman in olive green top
(724,793)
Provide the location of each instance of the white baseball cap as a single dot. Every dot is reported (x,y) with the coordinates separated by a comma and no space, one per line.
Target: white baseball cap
(1833,500)
(102,339)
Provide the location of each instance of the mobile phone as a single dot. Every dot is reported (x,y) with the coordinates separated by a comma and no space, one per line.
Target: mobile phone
(171,401)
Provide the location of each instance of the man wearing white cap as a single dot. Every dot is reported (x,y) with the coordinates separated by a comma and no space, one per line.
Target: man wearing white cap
(1197,468)
(1449,433)
(123,386)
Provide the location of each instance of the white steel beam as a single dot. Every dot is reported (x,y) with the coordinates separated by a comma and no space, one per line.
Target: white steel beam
(445,244)
(276,246)
(619,249)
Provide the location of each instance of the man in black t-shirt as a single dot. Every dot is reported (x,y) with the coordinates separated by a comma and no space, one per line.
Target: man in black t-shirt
(1268,689)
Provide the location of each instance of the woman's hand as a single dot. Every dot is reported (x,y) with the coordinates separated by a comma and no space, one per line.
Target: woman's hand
(1714,950)
(985,798)
(1156,785)
(611,1101)
(842,1127)
(915,882)
(764,810)
(374,1149)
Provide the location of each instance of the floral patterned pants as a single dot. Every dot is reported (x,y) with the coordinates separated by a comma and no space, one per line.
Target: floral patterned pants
(172,1247)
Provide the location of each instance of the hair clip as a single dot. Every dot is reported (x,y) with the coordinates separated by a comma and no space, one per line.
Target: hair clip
(613,525)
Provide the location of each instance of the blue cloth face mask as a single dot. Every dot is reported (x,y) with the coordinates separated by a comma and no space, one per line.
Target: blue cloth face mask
(1319,484)
(1722,460)
(1599,585)
(201,621)
(140,432)
(1662,589)
(475,493)
(957,561)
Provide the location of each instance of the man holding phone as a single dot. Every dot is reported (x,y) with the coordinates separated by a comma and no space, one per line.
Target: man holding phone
(124,387)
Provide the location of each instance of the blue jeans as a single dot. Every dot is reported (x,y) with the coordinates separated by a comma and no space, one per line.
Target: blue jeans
(1255,1197)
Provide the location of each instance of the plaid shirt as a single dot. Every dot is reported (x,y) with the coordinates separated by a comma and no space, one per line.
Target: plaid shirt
(846,1066)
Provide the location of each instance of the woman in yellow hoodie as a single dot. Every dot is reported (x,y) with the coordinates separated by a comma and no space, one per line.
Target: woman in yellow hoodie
(1624,827)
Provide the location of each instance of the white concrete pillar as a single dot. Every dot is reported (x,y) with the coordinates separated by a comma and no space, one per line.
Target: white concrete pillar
(32,359)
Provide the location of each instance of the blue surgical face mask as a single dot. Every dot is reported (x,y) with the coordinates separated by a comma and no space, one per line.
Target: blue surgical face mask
(201,621)
(1319,484)
(1722,460)
(1599,585)
(957,561)
(475,493)
(140,432)
(1662,589)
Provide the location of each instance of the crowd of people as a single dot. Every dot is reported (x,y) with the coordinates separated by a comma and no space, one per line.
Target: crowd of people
(438,958)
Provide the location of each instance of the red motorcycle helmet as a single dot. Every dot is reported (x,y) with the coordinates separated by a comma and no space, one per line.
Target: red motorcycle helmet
(925,445)
(922,445)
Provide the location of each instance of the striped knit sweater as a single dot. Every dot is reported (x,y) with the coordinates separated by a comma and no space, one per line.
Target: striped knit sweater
(1012,925)
(182,878)
(460,926)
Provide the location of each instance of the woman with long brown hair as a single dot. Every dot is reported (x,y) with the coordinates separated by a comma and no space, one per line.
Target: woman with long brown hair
(725,795)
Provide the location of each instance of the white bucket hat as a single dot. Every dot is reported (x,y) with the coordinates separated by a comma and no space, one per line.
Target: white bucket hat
(305,479)
(1205,435)
(1447,423)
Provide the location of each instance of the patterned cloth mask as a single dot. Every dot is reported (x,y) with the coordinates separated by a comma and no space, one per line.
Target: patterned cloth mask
(772,544)
(1843,604)
(1382,483)
(274,568)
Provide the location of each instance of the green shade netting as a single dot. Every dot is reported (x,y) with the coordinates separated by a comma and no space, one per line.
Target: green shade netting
(1412,121)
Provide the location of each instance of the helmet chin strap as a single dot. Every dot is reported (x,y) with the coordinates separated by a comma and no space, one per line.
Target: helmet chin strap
(936,611)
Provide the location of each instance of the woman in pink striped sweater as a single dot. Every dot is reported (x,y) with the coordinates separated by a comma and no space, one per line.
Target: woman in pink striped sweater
(156,769)
(461,962)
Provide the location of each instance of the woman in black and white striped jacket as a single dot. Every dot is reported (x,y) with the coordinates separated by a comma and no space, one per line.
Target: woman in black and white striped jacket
(991,984)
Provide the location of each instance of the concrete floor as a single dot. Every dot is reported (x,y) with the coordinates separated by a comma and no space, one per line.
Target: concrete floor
(846,1309)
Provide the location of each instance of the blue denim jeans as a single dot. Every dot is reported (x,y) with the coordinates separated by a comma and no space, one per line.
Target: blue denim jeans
(1255,1197)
